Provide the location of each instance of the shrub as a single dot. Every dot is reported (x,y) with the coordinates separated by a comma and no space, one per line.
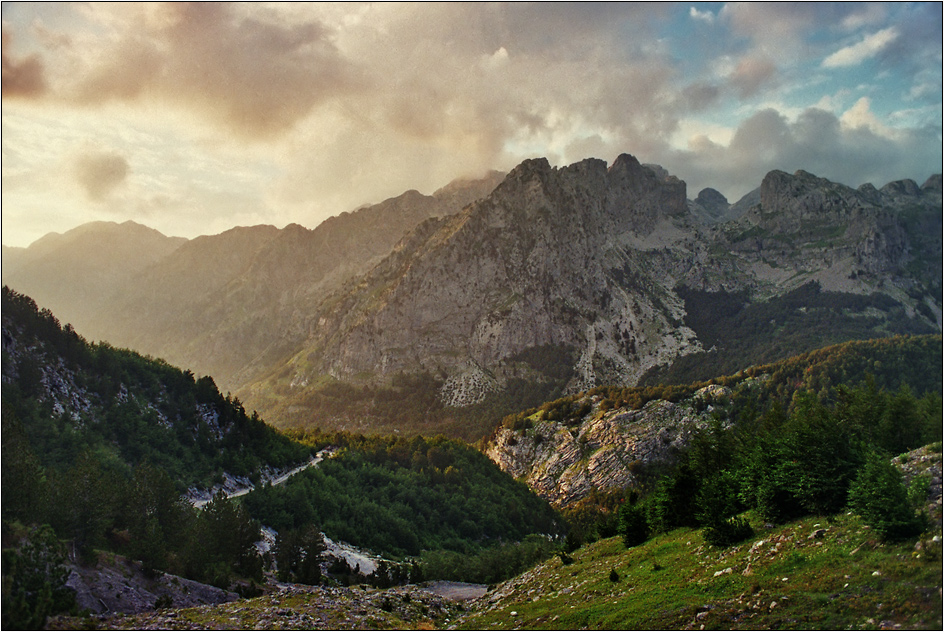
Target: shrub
(728,532)
(37,584)
(879,495)
(633,524)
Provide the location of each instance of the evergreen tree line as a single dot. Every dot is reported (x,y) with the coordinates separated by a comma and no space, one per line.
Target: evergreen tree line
(741,332)
(96,505)
(93,506)
(818,455)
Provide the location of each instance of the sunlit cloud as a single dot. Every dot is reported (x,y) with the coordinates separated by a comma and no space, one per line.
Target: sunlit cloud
(229,113)
(869,47)
(23,77)
(703,16)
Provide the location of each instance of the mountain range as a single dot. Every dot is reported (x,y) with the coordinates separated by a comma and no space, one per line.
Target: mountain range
(559,279)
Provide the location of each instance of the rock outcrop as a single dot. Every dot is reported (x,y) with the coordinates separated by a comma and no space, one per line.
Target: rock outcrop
(604,450)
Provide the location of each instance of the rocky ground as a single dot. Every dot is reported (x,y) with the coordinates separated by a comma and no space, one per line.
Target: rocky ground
(926,462)
(116,584)
(299,607)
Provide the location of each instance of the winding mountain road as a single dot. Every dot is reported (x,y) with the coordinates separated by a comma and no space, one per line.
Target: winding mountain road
(199,498)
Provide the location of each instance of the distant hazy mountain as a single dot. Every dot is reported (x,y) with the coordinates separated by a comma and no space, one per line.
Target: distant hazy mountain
(222,304)
(72,272)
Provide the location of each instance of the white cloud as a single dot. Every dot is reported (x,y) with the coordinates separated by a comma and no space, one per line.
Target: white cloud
(860,115)
(871,13)
(703,16)
(852,149)
(869,47)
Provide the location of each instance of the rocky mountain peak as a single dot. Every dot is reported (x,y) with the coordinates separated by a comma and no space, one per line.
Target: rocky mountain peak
(711,204)
(902,187)
(790,203)
(932,184)
(712,199)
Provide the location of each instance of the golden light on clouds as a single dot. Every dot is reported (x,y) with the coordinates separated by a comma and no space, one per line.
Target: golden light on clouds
(196,117)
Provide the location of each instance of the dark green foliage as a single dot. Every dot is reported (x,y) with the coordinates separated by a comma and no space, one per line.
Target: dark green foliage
(154,514)
(900,427)
(744,333)
(489,565)
(138,409)
(804,467)
(37,576)
(297,555)
(25,492)
(879,495)
(725,533)
(633,524)
(593,517)
(802,455)
(223,543)
(673,503)
(400,496)
(614,576)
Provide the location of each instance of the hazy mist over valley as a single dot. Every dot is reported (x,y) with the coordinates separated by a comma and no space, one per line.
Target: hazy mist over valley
(396,316)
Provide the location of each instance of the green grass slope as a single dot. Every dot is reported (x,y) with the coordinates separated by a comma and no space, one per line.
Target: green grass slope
(816,573)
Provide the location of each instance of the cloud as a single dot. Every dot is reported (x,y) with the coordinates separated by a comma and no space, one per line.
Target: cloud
(22,77)
(99,173)
(703,16)
(255,76)
(751,74)
(869,47)
(849,149)
(773,27)
(860,115)
(869,14)
(328,106)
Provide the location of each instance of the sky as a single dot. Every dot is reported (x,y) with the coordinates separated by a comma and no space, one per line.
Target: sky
(194,118)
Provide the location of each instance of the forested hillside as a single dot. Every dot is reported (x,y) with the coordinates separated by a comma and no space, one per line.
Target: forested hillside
(812,435)
(438,500)
(67,398)
(100,443)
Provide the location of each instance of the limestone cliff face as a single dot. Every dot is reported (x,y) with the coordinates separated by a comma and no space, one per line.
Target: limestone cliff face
(848,239)
(588,258)
(551,257)
(563,462)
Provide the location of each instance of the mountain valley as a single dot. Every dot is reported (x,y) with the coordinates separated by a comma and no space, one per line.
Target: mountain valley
(546,280)
(531,382)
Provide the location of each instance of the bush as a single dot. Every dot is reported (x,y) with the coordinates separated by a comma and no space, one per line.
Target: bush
(37,587)
(633,524)
(728,532)
(879,495)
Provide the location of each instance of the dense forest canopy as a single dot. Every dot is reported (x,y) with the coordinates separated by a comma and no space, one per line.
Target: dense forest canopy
(71,398)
